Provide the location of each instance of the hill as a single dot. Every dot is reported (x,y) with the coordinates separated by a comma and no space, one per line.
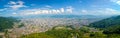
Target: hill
(110,25)
(115,20)
(6,23)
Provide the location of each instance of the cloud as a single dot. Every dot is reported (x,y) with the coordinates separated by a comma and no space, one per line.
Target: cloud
(16,5)
(20,2)
(38,11)
(116,1)
(69,9)
(41,11)
(110,11)
(3,9)
(84,11)
(48,6)
(105,11)
(14,13)
(12,2)
(35,11)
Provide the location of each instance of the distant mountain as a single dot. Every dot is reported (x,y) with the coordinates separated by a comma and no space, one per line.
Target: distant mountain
(115,20)
(66,16)
(82,19)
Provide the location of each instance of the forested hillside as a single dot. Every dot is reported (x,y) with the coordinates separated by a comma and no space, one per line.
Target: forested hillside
(6,23)
(106,22)
(109,25)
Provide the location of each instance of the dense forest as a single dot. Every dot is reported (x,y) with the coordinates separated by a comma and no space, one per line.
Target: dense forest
(6,23)
(105,23)
(109,25)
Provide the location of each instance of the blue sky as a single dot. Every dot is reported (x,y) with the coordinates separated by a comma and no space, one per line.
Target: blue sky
(76,7)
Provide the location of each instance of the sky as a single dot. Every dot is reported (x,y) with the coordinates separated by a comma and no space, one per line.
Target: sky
(64,7)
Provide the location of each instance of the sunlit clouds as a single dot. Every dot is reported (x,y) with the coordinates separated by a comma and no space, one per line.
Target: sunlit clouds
(116,1)
(105,11)
(46,11)
(15,5)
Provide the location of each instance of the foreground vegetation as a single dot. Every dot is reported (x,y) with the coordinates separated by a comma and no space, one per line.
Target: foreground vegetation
(68,32)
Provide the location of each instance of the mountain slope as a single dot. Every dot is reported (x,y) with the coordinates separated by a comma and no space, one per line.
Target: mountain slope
(106,22)
(6,22)
(109,25)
